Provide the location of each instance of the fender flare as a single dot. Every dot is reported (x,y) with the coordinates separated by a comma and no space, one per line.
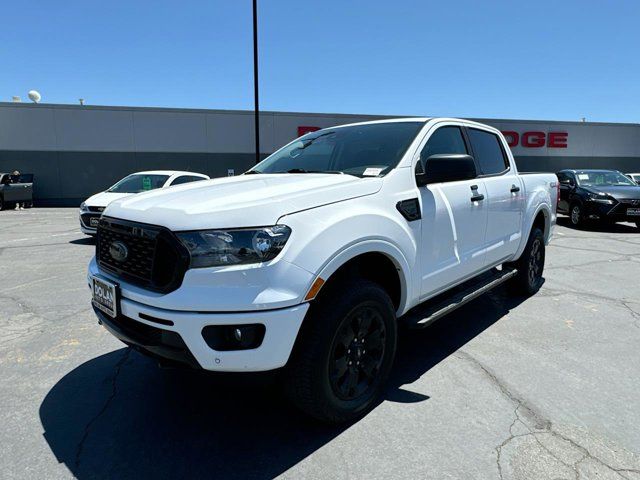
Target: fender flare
(373,246)
(546,210)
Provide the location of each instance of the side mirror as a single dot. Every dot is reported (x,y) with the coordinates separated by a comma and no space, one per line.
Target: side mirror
(445,167)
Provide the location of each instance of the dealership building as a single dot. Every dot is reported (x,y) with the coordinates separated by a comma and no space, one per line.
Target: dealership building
(77,150)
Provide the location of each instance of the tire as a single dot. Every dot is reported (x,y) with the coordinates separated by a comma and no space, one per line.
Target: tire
(638,225)
(530,266)
(575,215)
(327,359)
(2,204)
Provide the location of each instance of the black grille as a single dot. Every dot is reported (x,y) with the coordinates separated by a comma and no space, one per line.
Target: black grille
(86,219)
(631,202)
(154,259)
(96,209)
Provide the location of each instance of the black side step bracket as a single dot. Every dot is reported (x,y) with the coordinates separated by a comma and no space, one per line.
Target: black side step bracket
(428,312)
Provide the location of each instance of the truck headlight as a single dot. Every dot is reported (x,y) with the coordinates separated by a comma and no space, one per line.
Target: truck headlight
(214,248)
(600,198)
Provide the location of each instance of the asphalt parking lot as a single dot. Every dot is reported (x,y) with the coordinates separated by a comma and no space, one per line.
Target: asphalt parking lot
(545,387)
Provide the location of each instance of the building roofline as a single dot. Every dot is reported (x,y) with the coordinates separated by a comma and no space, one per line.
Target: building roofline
(68,106)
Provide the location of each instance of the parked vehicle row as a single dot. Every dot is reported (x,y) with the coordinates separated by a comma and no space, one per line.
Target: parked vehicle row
(91,209)
(310,260)
(606,196)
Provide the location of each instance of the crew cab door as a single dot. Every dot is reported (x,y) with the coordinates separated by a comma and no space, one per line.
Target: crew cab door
(505,195)
(454,218)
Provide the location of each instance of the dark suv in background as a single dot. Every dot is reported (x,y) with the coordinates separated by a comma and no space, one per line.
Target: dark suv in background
(601,195)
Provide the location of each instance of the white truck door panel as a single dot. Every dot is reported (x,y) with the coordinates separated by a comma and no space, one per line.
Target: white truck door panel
(453,226)
(504,221)
(453,233)
(505,195)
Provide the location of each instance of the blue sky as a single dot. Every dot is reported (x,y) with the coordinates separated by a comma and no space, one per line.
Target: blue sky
(496,59)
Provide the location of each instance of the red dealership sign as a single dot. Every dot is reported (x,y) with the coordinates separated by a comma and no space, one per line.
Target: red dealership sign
(303,130)
(537,139)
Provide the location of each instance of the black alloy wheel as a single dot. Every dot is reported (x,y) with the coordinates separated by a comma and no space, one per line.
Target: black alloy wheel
(575,215)
(536,261)
(344,351)
(357,353)
(530,265)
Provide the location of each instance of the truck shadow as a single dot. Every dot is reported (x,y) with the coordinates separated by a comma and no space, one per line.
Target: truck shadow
(83,241)
(119,416)
(599,226)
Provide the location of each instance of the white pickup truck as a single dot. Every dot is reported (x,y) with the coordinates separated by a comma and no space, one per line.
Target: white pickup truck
(309,261)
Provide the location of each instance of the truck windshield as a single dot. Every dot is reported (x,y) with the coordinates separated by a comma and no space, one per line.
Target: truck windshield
(362,150)
(137,183)
(603,178)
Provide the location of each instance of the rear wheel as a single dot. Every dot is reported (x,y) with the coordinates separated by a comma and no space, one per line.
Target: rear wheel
(638,224)
(2,204)
(530,265)
(344,353)
(575,214)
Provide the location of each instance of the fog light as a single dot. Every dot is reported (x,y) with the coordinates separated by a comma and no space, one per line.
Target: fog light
(234,337)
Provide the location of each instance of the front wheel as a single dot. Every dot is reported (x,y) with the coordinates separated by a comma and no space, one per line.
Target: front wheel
(638,225)
(576,215)
(530,265)
(344,353)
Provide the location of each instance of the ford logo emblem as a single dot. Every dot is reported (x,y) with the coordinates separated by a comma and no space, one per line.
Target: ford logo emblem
(118,251)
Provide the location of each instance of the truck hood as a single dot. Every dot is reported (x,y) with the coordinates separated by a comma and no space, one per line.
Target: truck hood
(242,201)
(619,193)
(103,199)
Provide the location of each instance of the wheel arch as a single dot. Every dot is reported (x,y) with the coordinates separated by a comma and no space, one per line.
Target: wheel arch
(376,260)
(541,218)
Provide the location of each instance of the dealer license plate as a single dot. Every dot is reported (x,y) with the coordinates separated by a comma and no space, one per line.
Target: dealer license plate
(633,211)
(105,296)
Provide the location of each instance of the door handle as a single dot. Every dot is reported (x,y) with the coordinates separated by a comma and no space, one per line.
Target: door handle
(515,188)
(477,198)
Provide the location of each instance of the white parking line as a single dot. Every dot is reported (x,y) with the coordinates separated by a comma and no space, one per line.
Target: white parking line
(29,283)
(28,239)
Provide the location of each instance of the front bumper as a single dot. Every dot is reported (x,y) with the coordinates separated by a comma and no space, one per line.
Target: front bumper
(183,341)
(614,213)
(152,341)
(85,225)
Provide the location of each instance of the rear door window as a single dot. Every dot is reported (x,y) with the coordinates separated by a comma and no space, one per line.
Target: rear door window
(488,152)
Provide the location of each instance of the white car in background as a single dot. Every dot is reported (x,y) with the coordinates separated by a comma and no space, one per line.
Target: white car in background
(92,207)
(635,177)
